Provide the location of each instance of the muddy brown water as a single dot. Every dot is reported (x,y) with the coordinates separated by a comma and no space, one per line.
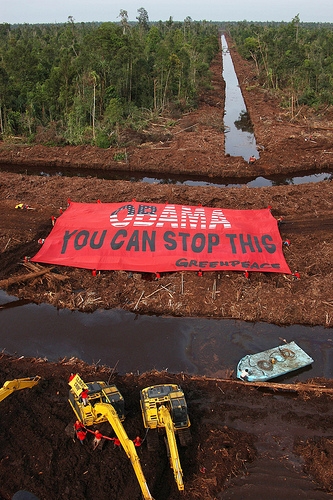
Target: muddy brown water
(134,343)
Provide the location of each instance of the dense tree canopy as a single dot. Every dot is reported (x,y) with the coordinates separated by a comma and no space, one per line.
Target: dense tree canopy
(87,80)
(294,59)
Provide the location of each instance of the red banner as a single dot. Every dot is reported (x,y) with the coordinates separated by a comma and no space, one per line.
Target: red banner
(154,238)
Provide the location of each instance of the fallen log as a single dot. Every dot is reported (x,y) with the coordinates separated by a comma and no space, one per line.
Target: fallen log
(273,386)
(53,275)
(23,277)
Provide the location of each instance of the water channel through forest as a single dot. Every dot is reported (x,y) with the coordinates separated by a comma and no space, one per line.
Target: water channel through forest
(133,343)
(239,141)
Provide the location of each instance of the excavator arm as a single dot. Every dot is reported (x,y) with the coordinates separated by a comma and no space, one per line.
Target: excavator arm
(166,421)
(14,385)
(110,413)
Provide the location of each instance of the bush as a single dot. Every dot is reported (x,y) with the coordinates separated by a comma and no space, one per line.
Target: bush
(102,139)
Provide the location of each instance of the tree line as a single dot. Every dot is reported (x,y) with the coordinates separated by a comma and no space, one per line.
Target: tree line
(85,82)
(295,60)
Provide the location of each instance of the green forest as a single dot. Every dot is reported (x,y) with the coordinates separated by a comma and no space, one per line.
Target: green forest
(84,82)
(295,60)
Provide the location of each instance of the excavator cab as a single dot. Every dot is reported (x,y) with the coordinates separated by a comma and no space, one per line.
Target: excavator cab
(98,392)
(104,403)
(170,396)
(179,412)
(164,410)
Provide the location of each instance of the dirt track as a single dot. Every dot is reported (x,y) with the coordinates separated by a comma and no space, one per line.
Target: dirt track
(231,425)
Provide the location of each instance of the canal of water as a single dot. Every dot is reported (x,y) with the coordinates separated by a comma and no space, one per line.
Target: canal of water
(239,141)
(239,134)
(195,181)
(133,343)
(202,346)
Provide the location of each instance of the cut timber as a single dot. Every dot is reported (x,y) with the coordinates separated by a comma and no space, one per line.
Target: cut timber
(274,386)
(26,277)
(36,267)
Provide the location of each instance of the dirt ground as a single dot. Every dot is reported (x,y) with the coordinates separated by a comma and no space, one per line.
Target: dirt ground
(229,420)
(234,426)
(306,209)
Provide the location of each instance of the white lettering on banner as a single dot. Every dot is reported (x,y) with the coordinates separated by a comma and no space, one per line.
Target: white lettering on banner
(189,217)
(218,217)
(169,214)
(146,211)
(193,218)
(129,217)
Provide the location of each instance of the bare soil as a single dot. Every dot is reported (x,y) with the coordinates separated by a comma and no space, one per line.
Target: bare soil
(194,145)
(234,426)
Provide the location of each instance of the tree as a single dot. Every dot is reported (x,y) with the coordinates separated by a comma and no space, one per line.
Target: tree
(124,21)
(143,19)
(86,79)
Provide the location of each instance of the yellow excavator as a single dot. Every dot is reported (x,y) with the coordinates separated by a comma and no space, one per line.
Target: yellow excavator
(104,403)
(15,385)
(164,409)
